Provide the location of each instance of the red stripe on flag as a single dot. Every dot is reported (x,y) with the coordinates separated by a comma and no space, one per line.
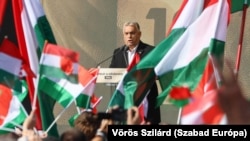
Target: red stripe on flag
(61,51)
(10,48)
(5,98)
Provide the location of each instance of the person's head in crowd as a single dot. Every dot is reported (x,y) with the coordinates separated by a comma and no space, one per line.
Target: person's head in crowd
(131,34)
(88,123)
(51,138)
(73,134)
(9,137)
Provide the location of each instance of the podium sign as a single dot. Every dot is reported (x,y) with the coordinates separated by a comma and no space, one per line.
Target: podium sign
(110,75)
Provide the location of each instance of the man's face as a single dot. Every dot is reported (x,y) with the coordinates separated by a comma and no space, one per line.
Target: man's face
(131,36)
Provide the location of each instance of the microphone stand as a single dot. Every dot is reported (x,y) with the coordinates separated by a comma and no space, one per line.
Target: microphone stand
(121,49)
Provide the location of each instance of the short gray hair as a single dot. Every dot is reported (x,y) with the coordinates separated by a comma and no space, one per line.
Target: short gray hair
(135,24)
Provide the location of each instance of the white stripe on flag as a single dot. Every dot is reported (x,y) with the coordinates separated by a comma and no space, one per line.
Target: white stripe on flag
(55,61)
(195,39)
(34,9)
(7,62)
(13,111)
(73,89)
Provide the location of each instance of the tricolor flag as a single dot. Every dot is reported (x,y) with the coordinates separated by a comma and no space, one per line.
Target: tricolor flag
(87,78)
(64,91)
(59,62)
(12,71)
(58,70)
(204,108)
(31,29)
(10,63)
(12,112)
(199,29)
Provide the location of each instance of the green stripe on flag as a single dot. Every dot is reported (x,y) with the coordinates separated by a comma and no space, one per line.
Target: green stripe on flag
(57,73)
(7,78)
(18,120)
(56,91)
(83,101)
(237,5)
(117,99)
(186,76)
(43,32)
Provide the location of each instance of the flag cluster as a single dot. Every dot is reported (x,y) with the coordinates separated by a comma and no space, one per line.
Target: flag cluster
(34,67)
(182,63)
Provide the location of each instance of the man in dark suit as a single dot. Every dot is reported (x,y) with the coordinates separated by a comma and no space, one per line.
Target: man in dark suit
(124,55)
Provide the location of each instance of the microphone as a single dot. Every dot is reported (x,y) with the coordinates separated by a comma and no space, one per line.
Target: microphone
(125,48)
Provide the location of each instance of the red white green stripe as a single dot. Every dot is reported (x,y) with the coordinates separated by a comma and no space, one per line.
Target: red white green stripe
(10,62)
(64,91)
(180,59)
(32,30)
(7,63)
(12,113)
(87,78)
(204,109)
(59,62)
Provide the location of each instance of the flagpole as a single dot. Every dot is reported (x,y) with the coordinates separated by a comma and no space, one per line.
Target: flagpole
(59,115)
(179,117)
(243,19)
(94,105)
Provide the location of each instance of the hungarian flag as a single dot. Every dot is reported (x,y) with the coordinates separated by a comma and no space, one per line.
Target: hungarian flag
(58,68)
(199,29)
(29,29)
(11,63)
(204,107)
(12,112)
(59,62)
(12,72)
(64,91)
(87,78)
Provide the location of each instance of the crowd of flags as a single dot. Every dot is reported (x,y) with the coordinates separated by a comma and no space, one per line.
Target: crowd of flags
(34,67)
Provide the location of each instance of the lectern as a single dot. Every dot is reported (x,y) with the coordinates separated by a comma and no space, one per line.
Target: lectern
(110,76)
